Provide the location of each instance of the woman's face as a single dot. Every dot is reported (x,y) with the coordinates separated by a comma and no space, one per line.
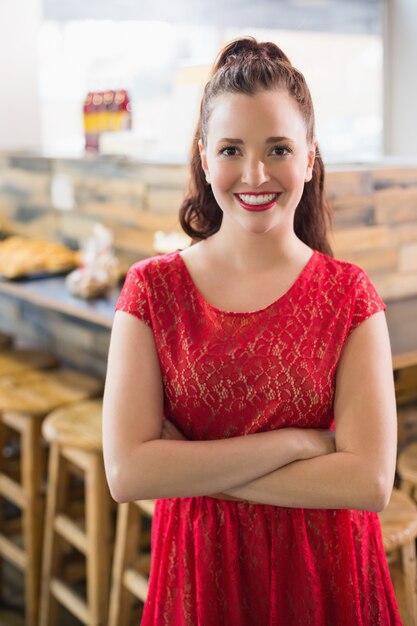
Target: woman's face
(257,158)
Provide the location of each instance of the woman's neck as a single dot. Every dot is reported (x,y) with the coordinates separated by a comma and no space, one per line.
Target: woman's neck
(243,251)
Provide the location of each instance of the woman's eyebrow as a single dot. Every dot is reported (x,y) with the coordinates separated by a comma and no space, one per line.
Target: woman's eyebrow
(230,140)
(241,142)
(276,139)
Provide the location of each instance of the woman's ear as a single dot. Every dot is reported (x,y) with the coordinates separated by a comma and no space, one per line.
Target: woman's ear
(310,160)
(203,158)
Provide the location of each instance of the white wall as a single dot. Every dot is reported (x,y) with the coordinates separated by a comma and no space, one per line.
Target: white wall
(19,100)
(400,89)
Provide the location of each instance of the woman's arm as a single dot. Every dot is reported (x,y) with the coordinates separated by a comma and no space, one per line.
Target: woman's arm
(139,464)
(360,474)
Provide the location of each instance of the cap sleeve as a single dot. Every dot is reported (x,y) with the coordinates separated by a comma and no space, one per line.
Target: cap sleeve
(366,302)
(133,298)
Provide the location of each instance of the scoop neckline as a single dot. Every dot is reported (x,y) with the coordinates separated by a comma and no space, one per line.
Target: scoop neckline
(283,296)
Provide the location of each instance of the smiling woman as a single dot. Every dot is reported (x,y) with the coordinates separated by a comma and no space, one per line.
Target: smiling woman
(264,421)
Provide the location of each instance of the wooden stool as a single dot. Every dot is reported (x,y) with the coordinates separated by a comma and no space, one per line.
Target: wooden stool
(131,563)
(14,362)
(407,469)
(5,341)
(74,434)
(399,531)
(25,399)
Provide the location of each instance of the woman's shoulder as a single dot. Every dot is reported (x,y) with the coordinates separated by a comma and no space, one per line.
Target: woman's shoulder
(347,286)
(340,271)
(147,281)
(154,265)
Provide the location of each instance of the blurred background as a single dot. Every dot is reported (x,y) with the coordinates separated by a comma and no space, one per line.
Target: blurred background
(359,58)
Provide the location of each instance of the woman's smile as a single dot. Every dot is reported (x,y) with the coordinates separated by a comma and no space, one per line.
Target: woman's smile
(257,200)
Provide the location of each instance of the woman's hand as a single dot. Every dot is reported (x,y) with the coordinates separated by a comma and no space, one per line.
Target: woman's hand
(169,431)
(314,441)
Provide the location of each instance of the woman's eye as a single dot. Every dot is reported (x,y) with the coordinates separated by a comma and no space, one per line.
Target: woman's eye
(229,151)
(281,150)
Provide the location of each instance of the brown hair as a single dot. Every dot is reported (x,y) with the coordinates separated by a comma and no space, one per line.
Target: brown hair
(246,66)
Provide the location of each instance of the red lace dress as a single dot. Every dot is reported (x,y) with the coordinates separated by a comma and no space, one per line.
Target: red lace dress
(224,563)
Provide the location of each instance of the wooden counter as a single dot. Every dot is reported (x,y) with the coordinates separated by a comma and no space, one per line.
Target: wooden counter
(43,314)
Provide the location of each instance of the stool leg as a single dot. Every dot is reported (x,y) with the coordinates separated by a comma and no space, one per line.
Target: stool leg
(32,515)
(125,549)
(408,553)
(98,534)
(56,498)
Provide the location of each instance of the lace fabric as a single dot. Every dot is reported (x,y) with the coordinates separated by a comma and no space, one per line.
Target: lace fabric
(226,374)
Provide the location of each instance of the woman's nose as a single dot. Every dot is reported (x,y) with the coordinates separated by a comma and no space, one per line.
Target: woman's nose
(255,173)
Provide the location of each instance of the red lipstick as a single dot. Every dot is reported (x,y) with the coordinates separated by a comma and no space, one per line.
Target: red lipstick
(258,207)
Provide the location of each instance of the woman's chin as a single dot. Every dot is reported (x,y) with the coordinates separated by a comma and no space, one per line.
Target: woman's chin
(262,227)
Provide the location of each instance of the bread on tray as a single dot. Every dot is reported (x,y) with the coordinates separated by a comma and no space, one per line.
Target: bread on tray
(21,256)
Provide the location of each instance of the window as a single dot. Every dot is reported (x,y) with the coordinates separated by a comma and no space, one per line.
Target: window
(164,66)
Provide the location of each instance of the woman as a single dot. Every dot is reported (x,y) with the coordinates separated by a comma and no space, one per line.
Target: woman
(250,383)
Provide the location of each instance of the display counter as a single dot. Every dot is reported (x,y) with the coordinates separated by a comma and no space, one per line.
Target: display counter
(52,294)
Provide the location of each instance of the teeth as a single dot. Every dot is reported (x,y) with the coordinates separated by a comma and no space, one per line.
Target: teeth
(262,199)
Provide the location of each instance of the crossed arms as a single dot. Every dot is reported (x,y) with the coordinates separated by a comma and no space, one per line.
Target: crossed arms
(291,467)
